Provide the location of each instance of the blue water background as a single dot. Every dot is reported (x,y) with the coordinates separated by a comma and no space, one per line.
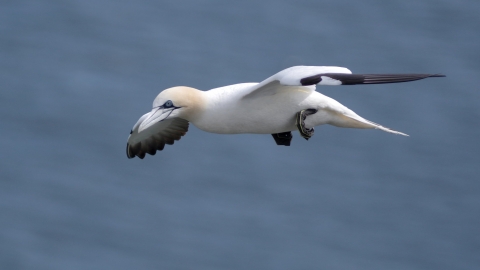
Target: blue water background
(76,75)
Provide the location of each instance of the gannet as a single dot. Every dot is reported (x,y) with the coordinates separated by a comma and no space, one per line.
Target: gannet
(282,103)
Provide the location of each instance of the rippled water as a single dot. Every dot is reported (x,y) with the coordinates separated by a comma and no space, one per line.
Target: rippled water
(76,75)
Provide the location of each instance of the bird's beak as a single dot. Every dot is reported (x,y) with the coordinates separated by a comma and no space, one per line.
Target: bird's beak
(157,114)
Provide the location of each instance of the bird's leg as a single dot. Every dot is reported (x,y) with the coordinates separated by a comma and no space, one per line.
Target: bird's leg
(306,133)
(283,138)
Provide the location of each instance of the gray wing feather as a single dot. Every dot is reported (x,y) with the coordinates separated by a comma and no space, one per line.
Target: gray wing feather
(154,138)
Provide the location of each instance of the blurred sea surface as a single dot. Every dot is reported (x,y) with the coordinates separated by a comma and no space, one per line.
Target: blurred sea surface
(76,75)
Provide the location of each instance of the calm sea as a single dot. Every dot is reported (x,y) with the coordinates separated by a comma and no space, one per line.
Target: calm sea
(76,75)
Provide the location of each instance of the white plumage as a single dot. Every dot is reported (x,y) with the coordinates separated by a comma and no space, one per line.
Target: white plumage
(268,107)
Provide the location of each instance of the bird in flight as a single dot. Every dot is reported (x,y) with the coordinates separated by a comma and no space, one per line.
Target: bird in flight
(280,104)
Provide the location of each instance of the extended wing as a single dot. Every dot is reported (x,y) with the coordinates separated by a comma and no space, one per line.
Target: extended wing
(305,76)
(155,137)
(350,79)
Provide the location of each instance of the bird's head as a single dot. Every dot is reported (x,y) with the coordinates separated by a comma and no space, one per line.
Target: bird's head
(176,102)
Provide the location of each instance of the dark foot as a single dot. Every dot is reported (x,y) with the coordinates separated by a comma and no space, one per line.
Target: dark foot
(283,138)
(306,133)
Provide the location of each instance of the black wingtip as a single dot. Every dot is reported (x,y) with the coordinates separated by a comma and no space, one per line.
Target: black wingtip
(351,79)
(395,78)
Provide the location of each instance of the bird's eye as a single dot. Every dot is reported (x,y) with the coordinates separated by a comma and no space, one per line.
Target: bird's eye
(168,104)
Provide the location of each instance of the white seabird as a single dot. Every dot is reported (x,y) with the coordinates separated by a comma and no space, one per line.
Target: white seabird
(282,103)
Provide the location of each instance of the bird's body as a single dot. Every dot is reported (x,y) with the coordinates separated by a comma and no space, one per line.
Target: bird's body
(237,113)
(229,110)
(269,107)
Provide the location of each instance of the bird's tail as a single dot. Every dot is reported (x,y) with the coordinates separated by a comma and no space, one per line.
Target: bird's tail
(355,121)
(386,129)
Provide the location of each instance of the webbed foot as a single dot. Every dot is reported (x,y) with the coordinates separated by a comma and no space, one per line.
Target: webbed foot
(306,133)
(283,138)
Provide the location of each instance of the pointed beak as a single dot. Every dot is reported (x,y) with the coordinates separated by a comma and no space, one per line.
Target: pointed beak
(158,114)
